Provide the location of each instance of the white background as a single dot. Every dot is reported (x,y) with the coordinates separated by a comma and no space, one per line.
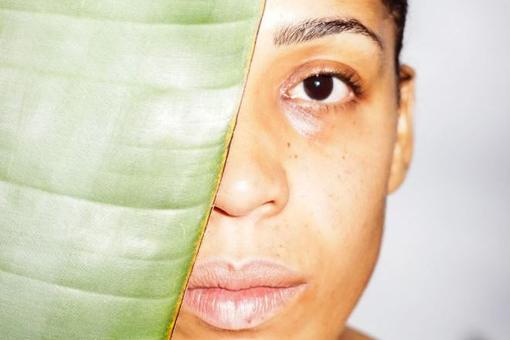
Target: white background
(444,271)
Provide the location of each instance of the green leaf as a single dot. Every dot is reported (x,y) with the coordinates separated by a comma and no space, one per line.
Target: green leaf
(115,116)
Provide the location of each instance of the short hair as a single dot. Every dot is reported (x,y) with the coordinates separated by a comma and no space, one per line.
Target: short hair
(398,10)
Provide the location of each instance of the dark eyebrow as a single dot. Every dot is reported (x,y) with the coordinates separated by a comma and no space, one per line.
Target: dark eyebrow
(321,27)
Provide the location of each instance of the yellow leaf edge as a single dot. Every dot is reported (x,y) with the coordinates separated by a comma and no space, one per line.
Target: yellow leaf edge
(227,141)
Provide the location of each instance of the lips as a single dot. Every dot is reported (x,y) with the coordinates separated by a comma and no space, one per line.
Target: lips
(233,297)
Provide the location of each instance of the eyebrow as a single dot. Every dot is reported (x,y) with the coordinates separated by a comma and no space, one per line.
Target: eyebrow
(320,27)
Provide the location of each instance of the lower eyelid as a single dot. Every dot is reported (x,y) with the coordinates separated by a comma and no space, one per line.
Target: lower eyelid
(317,108)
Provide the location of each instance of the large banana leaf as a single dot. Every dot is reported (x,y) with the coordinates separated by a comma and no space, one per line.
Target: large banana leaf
(115,116)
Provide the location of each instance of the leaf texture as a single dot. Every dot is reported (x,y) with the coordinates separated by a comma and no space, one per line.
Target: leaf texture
(115,116)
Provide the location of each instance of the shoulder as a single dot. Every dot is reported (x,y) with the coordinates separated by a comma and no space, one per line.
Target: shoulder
(352,334)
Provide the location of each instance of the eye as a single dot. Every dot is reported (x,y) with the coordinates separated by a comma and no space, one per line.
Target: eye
(323,88)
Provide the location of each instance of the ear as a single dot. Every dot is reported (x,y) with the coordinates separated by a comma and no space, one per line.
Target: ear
(403,149)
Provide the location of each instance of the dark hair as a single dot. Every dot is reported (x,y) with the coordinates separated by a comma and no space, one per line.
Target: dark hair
(398,10)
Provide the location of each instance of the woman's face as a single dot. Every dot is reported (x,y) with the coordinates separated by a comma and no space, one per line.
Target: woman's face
(319,143)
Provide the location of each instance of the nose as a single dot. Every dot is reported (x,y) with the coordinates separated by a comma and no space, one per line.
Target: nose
(254,181)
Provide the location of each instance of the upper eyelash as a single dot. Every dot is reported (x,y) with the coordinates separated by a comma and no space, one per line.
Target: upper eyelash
(348,78)
(344,73)
(353,83)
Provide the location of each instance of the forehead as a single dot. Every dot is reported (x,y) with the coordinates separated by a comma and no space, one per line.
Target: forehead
(371,12)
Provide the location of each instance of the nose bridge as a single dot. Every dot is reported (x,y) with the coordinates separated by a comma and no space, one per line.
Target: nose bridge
(254,181)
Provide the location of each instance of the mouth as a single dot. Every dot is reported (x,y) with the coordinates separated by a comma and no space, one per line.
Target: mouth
(239,298)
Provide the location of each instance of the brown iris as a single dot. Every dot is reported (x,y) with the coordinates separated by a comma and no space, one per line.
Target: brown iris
(318,87)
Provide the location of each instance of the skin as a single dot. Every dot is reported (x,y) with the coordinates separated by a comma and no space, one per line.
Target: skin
(305,182)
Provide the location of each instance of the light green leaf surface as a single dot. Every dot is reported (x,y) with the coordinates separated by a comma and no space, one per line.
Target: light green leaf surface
(115,116)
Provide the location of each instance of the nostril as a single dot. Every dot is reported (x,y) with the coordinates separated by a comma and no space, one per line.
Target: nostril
(235,208)
(220,211)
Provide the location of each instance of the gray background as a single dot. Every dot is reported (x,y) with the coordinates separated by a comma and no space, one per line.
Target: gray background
(444,271)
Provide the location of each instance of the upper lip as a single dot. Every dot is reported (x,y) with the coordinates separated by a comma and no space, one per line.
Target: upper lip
(230,276)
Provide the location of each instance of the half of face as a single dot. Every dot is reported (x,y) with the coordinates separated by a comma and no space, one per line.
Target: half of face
(321,140)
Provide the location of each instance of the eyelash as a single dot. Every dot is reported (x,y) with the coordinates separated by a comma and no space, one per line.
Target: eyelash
(347,76)
(350,80)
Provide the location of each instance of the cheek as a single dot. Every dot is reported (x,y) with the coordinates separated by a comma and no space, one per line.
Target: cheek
(339,195)
(340,201)
(343,219)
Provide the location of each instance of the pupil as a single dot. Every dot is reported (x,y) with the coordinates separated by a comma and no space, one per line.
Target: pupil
(318,87)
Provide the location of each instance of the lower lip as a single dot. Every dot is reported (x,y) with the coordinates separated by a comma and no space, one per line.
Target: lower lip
(240,309)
